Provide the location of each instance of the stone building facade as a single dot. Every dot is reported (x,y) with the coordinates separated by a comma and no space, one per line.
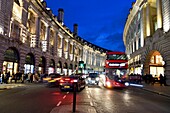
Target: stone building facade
(147,37)
(33,39)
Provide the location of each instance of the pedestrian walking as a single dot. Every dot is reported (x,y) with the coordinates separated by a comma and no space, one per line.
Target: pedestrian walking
(161,79)
(3,77)
(0,78)
(31,77)
(22,78)
(7,77)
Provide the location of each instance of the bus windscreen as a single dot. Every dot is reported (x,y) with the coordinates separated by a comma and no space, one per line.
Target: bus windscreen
(116,57)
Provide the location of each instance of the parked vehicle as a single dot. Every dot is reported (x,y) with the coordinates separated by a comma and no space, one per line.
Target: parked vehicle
(67,82)
(93,79)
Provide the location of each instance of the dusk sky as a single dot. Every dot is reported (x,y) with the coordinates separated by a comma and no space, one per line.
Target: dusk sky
(100,22)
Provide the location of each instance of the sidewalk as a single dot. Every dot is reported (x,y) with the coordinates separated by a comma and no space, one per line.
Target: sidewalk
(10,85)
(156,88)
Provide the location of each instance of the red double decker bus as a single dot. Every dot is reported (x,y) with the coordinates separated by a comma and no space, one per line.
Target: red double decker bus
(116,65)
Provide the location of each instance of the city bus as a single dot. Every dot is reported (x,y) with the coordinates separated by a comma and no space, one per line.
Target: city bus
(115,70)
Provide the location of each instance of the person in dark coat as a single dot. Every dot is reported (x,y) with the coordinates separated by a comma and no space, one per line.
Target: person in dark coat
(3,78)
(7,77)
(161,79)
(0,78)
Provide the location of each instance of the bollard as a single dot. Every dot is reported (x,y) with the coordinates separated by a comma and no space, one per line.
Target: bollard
(74,97)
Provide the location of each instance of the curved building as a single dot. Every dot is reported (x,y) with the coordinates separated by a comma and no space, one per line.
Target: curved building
(146,37)
(33,39)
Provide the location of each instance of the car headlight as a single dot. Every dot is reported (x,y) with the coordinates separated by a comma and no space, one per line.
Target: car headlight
(97,78)
(108,84)
(127,84)
(89,79)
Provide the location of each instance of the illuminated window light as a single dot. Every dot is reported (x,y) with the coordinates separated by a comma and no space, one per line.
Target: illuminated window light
(1,30)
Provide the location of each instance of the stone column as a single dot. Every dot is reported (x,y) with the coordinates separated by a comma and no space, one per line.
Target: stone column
(22,62)
(73,56)
(56,44)
(148,21)
(47,37)
(1,64)
(159,13)
(62,43)
(95,57)
(37,32)
(68,49)
(143,24)
(166,15)
(11,28)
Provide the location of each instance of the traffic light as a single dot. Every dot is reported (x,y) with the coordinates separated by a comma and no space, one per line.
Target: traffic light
(81,64)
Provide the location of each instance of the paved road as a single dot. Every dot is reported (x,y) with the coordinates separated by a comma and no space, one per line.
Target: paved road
(36,98)
(131,100)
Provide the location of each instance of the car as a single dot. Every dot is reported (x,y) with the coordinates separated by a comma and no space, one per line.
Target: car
(111,81)
(67,82)
(53,79)
(93,78)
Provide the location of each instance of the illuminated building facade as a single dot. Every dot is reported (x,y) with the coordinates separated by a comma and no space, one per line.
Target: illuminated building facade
(33,39)
(146,37)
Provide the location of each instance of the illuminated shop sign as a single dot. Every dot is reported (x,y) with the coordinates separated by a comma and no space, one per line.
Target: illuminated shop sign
(117,64)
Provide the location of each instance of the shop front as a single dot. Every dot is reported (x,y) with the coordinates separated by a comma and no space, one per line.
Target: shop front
(29,64)
(51,68)
(59,67)
(156,65)
(65,69)
(11,61)
(70,71)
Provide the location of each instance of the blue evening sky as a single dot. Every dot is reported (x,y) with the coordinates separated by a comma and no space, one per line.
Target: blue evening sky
(100,22)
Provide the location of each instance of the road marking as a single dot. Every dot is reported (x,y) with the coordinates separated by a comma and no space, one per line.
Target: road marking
(59,103)
(64,96)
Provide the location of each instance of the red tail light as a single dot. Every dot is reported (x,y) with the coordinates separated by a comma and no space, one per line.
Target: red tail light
(116,83)
(72,81)
(67,79)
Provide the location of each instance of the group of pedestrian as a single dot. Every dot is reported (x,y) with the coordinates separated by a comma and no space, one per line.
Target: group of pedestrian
(9,78)
(33,77)
(4,78)
(149,79)
(162,80)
